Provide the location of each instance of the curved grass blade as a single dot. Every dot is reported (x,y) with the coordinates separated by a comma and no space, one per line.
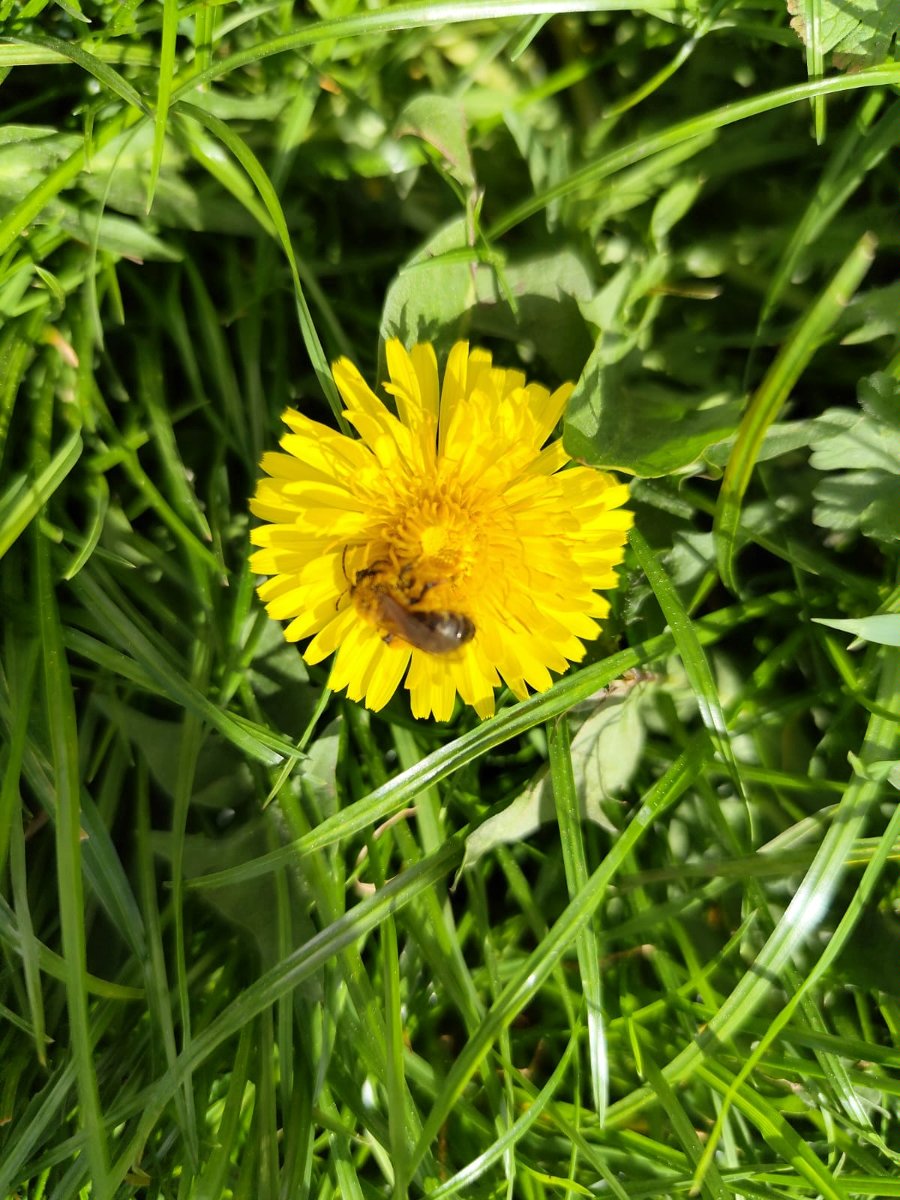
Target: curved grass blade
(266,190)
(139,644)
(54,965)
(684,131)
(810,901)
(23,500)
(100,70)
(689,648)
(511,1136)
(282,979)
(772,394)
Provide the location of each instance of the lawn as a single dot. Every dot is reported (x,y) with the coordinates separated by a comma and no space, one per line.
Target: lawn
(276,926)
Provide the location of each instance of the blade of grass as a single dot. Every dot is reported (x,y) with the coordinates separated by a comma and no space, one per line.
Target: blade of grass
(251,164)
(53,964)
(102,72)
(587,942)
(810,900)
(534,1111)
(22,500)
(773,393)
(63,731)
(689,647)
(815,61)
(283,978)
(528,977)
(155,974)
(137,643)
(166,74)
(712,1186)
(18,341)
(859,150)
(28,943)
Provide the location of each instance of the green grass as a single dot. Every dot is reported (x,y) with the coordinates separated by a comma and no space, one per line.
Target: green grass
(635,942)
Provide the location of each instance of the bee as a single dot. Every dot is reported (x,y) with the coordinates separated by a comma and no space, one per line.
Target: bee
(436,631)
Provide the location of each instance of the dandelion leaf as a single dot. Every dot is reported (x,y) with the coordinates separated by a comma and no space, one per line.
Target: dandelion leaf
(860,448)
(867,501)
(627,422)
(427,299)
(538,300)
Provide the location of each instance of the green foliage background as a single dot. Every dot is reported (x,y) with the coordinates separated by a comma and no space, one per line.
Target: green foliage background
(625,939)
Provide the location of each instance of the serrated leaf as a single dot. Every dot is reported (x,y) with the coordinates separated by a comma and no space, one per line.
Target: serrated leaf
(871,315)
(857,32)
(782,438)
(864,500)
(869,439)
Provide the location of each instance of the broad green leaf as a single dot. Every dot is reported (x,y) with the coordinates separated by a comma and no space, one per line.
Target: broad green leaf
(867,438)
(430,294)
(638,425)
(440,122)
(547,292)
(864,501)
(857,32)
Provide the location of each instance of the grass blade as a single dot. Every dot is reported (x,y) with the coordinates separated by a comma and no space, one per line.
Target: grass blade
(773,393)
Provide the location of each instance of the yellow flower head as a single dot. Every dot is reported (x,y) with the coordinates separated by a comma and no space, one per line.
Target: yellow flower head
(446,544)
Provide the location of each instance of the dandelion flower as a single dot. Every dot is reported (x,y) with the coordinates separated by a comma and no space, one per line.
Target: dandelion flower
(447,545)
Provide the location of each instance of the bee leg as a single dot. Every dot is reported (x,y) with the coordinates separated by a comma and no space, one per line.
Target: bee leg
(426,588)
(375,568)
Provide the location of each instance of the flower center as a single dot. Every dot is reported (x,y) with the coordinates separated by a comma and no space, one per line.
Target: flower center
(434,540)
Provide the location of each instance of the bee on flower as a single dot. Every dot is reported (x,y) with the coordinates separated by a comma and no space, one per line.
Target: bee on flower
(447,547)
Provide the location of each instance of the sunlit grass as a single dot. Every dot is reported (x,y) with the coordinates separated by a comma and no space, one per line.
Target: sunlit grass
(631,937)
